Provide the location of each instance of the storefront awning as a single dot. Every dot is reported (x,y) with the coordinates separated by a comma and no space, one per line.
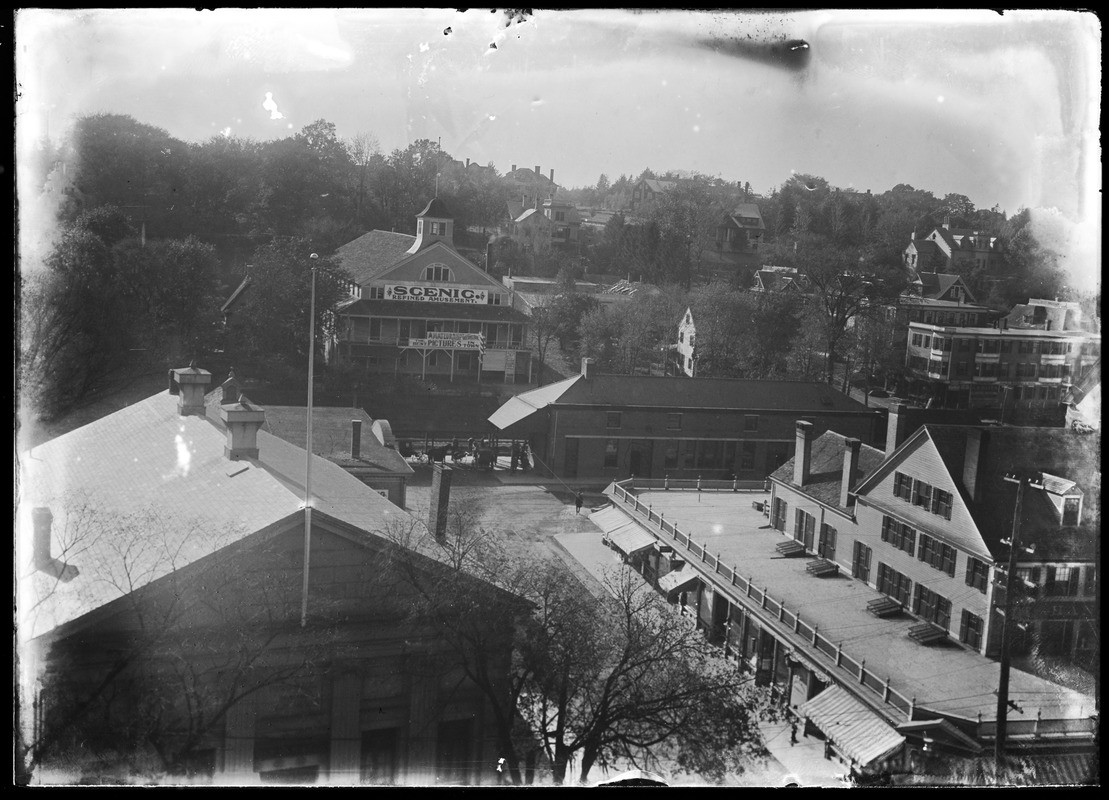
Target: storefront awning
(858,732)
(677,580)
(627,536)
(810,665)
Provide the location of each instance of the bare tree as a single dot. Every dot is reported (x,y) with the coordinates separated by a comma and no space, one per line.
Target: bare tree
(623,680)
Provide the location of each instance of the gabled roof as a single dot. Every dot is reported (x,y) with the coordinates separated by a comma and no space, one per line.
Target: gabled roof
(436,208)
(659,186)
(331,436)
(746,211)
(374,253)
(934,285)
(652,391)
(148,468)
(826,468)
(1023,451)
(928,248)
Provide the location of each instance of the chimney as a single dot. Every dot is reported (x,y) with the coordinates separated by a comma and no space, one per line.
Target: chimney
(191,383)
(802,454)
(356,439)
(513,167)
(851,450)
(440,500)
(467,163)
(896,424)
(587,367)
(978,440)
(946,222)
(242,420)
(42,520)
(538,171)
(552,175)
(230,390)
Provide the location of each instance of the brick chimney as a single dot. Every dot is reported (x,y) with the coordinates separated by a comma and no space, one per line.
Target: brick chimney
(552,176)
(440,500)
(895,426)
(242,420)
(851,450)
(356,439)
(978,441)
(587,367)
(467,163)
(190,384)
(802,455)
(513,167)
(538,171)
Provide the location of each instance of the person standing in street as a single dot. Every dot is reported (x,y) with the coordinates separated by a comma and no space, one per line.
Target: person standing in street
(579,501)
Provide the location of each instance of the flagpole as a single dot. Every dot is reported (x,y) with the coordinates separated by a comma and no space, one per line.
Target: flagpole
(308,451)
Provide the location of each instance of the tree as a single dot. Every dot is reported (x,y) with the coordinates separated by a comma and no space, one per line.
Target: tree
(363,148)
(543,329)
(271,320)
(595,682)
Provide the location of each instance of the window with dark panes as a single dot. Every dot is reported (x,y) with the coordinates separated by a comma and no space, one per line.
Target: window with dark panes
(860,562)
(751,422)
(710,454)
(689,453)
(894,584)
(932,607)
(902,486)
(1061,582)
(612,419)
(670,458)
(1071,510)
(826,547)
(747,457)
(941,503)
(611,450)
(673,422)
(970,630)
(1091,580)
(978,573)
(780,509)
(922,494)
(1029,581)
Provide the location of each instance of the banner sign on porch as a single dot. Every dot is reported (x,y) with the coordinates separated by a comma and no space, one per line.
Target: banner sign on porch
(447,340)
(436,294)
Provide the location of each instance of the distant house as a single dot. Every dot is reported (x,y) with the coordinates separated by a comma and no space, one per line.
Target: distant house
(648,191)
(161,588)
(684,352)
(741,230)
(947,249)
(1051,315)
(780,279)
(532,186)
(610,426)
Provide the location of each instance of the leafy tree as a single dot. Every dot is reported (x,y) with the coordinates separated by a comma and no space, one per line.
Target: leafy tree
(271,319)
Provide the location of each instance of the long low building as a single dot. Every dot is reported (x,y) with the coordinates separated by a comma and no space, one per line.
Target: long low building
(615,426)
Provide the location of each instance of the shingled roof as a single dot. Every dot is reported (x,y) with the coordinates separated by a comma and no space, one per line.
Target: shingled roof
(373,253)
(826,468)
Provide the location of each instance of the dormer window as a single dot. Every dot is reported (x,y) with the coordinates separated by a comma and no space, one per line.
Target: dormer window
(1072,510)
(439,273)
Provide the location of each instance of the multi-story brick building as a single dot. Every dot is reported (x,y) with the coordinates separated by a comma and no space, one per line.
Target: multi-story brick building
(420,308)
(997,367)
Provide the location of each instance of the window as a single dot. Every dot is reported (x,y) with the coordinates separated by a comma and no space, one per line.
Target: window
(916,339)
(670,459)
(961,369)
(903,486)
(970,630)
(894,584)
(747,457)
(1072,507)
(932,607)
(689,453)
(1061,582)
(922,494)
(710,455)
(780,509)
(673,422)
(751,422)
(860,562)
(941,503)
(612,419)
(1028,581)
(978,573)
(964,345)
(937,554)
(438,272)
(1006,347)
(826,547)
(899,535)
(610,453)
(804,526)
(1091,581)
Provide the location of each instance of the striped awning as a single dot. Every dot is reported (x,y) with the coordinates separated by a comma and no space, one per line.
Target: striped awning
(677,580)
(858,732)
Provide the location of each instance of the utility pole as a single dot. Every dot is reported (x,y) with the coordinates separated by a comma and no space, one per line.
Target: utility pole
(308,449)
(1006,622)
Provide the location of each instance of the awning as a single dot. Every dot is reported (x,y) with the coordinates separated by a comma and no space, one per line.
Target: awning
(677,580)
(808,664)
(858,732)
(627,536)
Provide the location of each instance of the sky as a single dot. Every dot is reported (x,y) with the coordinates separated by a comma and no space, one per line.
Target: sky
(1002,108)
